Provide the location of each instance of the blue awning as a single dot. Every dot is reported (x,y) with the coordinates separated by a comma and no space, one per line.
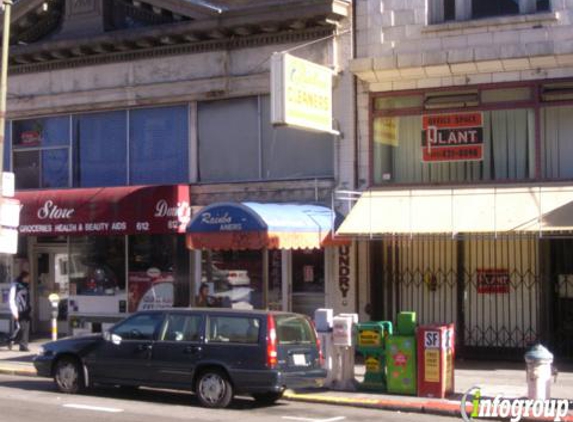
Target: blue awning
(252,225)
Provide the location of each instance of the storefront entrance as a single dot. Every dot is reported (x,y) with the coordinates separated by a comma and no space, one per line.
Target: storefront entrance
(504,294)
(50,275)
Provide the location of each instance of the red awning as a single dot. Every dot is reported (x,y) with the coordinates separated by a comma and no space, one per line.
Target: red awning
(104,211)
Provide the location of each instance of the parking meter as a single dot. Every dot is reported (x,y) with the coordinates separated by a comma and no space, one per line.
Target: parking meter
(371,342)
(54,299)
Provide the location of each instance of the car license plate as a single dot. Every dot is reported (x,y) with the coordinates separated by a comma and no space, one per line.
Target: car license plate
(299,360)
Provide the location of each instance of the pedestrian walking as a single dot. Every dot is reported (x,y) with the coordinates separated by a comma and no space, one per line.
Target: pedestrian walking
(21,309)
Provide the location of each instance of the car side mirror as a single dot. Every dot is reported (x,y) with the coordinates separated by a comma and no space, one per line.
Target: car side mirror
(114,338)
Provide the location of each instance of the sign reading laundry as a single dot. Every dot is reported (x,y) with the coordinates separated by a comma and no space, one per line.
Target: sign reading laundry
(103,211)
(452,137)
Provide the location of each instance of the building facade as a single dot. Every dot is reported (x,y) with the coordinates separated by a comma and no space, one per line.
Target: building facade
(128,118)
(465,176)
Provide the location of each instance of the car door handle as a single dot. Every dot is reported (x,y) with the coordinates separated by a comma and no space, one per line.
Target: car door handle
(193,350)
(143,347)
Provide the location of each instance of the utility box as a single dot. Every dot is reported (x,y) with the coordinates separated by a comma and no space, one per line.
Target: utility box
(401,364)
(371,342)
(436,360)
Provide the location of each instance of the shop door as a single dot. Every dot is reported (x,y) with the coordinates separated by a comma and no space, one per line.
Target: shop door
(561,296)
(51,269)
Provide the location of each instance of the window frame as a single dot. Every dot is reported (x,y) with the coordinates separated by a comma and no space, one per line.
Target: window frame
(463,11)
(165,327)
(535,102)
(191,127)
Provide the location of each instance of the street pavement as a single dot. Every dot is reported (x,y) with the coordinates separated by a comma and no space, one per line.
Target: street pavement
(36,400)
(494,378)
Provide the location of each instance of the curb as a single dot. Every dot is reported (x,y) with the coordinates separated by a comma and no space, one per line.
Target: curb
(15,370)
(443,409)
(452,409)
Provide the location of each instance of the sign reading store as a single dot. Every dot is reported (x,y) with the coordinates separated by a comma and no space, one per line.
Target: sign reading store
(100,211)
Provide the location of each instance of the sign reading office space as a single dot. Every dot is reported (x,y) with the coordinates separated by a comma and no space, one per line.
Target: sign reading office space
(452,137)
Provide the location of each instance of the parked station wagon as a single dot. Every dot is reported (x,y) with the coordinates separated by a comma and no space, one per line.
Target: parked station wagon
(216,353)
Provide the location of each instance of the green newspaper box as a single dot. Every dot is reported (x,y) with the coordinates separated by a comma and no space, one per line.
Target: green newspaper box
(401,364)
(371,342)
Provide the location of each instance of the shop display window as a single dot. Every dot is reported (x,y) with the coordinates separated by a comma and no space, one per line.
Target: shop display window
(231,279)
(96,266)
(157,272)
(308,284)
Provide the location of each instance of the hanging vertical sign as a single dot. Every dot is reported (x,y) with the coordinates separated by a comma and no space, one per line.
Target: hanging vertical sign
(301,93)
(343,292)
(452,137)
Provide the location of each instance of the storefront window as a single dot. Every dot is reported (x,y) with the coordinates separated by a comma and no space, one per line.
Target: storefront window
(158,145)
(557,126)
(158,269)
(97,275)
(41,152)
(257,150)
(500,146)
(232,279)
(307,280)
(100,149)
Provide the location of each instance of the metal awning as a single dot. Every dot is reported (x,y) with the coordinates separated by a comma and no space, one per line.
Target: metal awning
(251,225)
(497,210)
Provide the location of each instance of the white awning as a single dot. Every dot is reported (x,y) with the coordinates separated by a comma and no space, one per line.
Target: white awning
(461,210)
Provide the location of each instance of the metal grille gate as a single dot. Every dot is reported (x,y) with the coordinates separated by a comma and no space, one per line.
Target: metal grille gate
(491,288)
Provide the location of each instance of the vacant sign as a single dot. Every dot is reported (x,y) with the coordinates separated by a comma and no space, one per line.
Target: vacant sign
(452,137)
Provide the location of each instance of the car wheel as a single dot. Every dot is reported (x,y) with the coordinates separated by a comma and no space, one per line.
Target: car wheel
(267,398)
(68,376)
(213,389)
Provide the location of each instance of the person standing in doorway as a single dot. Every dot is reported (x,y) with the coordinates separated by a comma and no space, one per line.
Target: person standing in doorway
(21,309)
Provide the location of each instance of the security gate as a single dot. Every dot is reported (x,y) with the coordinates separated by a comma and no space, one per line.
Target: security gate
(492,288)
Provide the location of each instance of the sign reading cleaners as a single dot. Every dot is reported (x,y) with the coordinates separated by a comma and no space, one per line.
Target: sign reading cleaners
(452,137)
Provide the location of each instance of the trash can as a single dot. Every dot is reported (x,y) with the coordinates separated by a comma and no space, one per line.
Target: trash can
(435,360)
(371,341)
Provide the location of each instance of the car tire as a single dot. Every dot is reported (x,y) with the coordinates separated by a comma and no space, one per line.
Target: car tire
(214,389)
(267,398)
(68,376)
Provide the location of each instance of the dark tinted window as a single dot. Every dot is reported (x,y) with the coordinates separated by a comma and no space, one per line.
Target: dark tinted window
(292,329)
(139,327)
(233,329)
(182,328)
(486,8)
(449,10)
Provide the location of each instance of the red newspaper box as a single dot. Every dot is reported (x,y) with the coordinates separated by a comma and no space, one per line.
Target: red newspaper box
(435,360)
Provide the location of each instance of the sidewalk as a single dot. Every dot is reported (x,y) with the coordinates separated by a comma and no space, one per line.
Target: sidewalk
(494,378)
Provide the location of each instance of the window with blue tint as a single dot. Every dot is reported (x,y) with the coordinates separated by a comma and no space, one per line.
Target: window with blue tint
(100,149)
(40,151)
(44,132)
(55,168)
(158,145)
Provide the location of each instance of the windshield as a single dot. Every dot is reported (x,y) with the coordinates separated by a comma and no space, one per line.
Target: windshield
(293,329)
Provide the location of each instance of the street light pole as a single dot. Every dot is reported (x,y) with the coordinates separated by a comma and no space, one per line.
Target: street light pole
(4,80)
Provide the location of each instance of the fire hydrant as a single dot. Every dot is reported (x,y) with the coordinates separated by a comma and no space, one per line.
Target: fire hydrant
(539,363)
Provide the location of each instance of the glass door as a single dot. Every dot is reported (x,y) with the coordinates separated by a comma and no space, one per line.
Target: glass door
(51,276)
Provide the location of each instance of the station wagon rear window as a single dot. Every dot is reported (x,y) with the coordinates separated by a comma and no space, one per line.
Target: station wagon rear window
(233,329)
(293,329)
